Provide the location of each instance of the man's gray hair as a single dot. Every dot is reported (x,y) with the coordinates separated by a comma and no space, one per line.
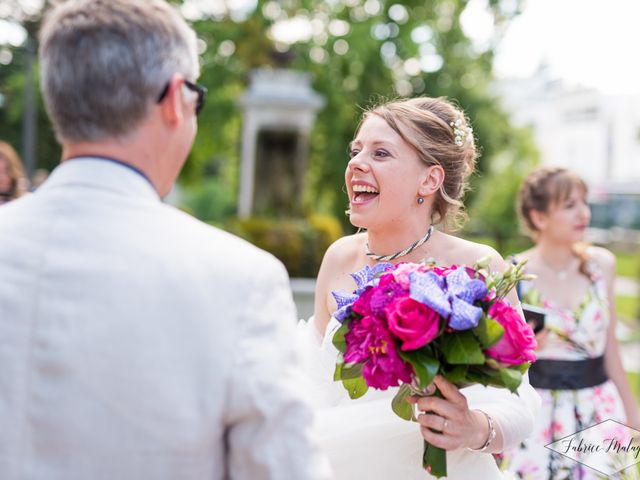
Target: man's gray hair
(104,63)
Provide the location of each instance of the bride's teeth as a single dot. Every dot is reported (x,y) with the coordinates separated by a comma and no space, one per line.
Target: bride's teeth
(364,188)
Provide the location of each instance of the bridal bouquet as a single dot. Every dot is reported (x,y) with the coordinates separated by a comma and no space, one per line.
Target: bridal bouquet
(407,323)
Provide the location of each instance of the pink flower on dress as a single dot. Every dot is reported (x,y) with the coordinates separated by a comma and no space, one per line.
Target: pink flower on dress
(518,343)
(554,431)
(413,322)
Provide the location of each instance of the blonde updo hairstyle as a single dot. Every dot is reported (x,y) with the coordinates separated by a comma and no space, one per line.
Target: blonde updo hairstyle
(426,124)
(544,189)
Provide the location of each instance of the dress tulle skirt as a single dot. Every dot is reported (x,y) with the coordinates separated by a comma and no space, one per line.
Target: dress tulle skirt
(364,438)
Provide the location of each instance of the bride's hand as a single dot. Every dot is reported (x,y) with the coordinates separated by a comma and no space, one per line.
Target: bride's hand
(447,422)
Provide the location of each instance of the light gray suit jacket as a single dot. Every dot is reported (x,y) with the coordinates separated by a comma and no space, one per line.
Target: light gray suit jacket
(139,343)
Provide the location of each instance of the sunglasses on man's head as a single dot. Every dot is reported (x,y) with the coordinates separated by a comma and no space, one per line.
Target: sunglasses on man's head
(199,89)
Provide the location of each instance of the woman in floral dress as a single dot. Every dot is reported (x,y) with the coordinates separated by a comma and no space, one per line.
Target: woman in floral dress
(579,374)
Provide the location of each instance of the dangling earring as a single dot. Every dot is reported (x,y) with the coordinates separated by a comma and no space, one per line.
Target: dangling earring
(420,200)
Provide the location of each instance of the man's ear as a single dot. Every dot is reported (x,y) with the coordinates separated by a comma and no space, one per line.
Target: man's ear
(432,181)
(539,219)
(171,105)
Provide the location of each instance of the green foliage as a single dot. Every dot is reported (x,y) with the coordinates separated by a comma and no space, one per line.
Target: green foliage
(299,243)
(210,200)
(12,89)
(505,377)
(356,387)
(434,460)
(399,404)
(392,48)
(488,331)
(462,349)
(338,338)
(628,308)
(424,364)
(628,264)
(494,210)
(634,381)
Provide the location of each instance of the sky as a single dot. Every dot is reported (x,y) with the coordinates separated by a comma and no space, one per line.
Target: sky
(585,42)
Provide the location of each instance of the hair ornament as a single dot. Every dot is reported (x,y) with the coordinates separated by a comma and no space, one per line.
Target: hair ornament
(462,133)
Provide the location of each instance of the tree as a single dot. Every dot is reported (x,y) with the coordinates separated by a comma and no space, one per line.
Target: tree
(357,50)
(494,211)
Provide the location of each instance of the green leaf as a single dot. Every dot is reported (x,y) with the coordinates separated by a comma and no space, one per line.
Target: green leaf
(434,459)
(399,404)
(485,375)
(456,374)
(462,349)
(337,373)
(423,363)
(488,331)
(511,378)
(338,338)
(356,387)
(523,367)
(351,370)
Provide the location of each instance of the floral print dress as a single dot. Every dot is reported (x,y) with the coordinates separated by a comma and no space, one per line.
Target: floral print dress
(574,335)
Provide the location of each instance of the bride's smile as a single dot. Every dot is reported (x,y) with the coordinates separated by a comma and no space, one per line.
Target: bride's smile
(383,177)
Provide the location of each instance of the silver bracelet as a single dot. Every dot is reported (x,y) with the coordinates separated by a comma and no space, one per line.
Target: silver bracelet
(490,438)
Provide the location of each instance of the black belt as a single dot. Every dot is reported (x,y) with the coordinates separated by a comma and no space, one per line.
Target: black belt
(567,374)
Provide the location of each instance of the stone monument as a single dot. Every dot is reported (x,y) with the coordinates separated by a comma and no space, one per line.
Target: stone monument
(279,110)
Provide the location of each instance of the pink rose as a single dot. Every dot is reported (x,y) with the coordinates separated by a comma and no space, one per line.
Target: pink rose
(402,271)
(518,343)
(444,271)
(413,322)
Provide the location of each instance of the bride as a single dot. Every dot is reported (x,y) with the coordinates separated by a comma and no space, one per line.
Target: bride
(408,169)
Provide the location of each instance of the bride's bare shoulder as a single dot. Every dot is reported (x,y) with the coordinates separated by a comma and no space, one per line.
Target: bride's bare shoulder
(338,262)
(466,252)
(344,249)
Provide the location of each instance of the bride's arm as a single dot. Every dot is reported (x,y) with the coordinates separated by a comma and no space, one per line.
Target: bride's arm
(331,271)
(465,412)
(513,415)
(321,313)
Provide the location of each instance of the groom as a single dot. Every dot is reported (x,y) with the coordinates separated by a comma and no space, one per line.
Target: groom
(136,342)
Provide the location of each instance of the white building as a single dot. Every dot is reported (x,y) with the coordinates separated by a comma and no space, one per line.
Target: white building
(596,135)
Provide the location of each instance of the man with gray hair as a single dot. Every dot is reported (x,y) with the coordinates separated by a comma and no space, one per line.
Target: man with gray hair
(136,342)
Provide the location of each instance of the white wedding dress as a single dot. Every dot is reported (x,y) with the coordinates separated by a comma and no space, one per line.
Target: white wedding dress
(364,438)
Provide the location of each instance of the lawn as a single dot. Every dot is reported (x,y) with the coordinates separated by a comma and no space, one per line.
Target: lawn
(634,381)
(627,264)
(628,308)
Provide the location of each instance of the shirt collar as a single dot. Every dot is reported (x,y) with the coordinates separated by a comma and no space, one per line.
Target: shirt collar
(101,173)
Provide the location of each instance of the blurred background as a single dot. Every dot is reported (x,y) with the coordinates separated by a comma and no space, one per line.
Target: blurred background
(542,81)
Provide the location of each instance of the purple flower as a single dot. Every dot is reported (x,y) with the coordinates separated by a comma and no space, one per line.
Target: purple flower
(385,293)
(452,296)
(367,276)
